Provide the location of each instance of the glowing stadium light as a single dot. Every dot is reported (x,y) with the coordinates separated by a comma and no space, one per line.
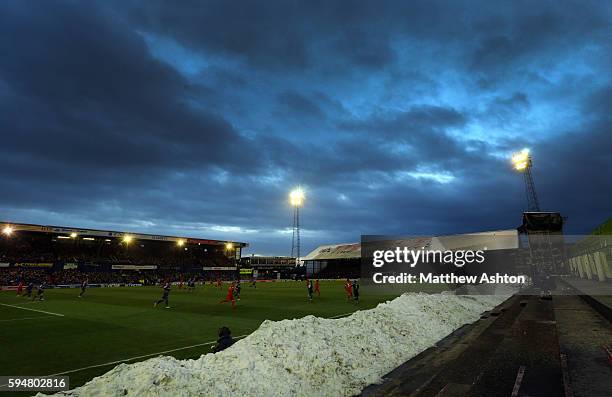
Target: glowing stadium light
(520,160)
(7,231)
(73,235)
(229,246)
(296,197)
(127,239)
(180,242)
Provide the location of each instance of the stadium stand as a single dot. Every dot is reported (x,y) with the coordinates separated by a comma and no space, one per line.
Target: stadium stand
(270,267)
(61,255)
(334,261)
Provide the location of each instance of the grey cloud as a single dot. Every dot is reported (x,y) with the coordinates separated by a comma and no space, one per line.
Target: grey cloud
(341,99)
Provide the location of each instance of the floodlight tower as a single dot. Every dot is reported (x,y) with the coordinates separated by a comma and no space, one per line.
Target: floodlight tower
(296,199)
(522,162)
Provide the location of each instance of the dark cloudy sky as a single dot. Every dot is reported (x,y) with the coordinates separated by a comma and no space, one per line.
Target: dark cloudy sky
(196,118)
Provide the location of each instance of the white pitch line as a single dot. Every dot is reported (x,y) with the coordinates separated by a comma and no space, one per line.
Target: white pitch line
(158,353)
(33,310)
(341,315)
(138,357)
(26,318)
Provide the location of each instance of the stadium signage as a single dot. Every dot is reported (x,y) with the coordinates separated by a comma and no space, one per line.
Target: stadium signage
(31,264)
(218,268)
(4,264)
(134,267)
(272,267)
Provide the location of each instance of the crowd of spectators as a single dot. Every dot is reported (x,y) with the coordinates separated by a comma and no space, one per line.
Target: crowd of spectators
(13,276)
(37,257)
(33,257)
(94,260)
(43,248)
(73,276)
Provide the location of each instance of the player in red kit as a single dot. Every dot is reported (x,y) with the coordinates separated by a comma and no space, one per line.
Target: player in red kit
(317,288)
(348,288)
(20,288)
(230,296)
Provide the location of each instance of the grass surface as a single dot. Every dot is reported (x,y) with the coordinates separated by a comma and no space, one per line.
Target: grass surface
(119,324)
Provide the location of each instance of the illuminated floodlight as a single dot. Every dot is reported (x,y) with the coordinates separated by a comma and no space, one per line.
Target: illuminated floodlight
(520,160)
(523,163)
(127,239)
(296,197)
(229,246)
(73,235)
(7,231)
(180,242)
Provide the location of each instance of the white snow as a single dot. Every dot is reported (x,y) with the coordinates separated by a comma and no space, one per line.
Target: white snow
(310,356)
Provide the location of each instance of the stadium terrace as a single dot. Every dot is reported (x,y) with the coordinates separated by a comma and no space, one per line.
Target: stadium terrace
(64,254)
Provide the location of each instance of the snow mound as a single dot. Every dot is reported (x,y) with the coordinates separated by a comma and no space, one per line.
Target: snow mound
(310,356)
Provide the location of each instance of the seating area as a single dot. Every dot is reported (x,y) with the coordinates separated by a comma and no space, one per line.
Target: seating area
(62,259)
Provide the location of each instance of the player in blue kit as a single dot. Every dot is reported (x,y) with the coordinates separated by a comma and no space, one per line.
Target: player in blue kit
(29,289)
(237,289)
(355,291)
(310,290)
(40,292)
(191,285)
(164,297)
(83,288)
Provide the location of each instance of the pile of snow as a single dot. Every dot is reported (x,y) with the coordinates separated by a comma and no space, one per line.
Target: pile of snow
(310,356)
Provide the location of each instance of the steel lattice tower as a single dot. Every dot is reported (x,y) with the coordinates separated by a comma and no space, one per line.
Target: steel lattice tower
(533,205)
(296,198)
(522,162)
(295,240)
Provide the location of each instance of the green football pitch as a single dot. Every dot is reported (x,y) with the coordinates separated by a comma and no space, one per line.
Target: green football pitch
(86,337)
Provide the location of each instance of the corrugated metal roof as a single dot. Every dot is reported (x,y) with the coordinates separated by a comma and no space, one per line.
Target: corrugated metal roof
(491,240)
